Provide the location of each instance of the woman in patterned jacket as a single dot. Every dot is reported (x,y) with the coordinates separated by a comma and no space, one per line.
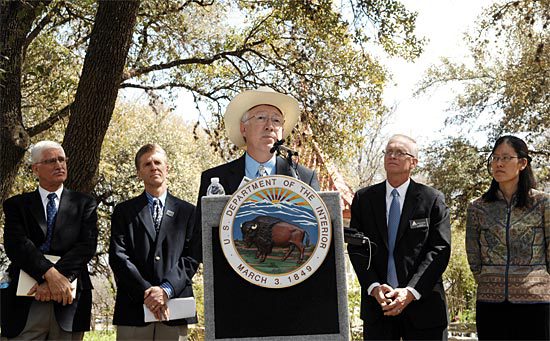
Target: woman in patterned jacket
(508,247)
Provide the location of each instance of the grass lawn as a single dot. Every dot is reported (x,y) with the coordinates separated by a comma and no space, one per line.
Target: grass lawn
(195,333)
(100,335)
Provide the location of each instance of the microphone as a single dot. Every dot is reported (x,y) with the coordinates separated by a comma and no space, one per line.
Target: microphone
(278,147)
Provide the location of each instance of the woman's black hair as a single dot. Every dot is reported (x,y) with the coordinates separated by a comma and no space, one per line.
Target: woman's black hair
(526,177)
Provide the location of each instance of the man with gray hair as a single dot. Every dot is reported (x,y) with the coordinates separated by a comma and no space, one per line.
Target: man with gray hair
(402,294)
(255,120)
(51,235)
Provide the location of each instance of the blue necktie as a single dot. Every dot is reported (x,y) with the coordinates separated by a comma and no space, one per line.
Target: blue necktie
(261,171)
(157,214)
(393,225)
(51,213)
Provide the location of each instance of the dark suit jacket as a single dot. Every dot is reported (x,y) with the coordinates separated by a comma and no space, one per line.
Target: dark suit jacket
(141,259)
(421,254)
(74,239)
(231,175)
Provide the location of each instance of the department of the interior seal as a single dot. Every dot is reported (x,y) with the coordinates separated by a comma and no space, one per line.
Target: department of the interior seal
(275,231)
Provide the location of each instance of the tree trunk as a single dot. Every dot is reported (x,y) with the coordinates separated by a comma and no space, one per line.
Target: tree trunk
(16,18)
(97,91)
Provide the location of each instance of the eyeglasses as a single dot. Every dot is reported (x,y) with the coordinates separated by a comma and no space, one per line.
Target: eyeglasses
(60,159)
(277,121)
(504,159)
(396,153)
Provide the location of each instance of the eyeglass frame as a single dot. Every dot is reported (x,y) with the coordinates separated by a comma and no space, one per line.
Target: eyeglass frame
(505,159)
(397,154)
(268,118)
(60,159)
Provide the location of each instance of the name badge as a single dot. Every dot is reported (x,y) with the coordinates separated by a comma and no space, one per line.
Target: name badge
(419,223)
(169,213)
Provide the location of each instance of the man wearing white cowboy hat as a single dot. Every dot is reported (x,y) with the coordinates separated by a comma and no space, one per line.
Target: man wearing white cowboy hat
(254,121)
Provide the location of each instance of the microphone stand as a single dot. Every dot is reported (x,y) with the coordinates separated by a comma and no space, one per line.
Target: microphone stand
(280,149)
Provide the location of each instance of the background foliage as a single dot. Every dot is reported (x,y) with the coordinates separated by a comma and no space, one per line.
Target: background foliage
(324,53)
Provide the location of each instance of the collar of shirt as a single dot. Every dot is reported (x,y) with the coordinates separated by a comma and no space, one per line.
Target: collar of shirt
(44,196)
(162,199)
(402,190)
(251,166)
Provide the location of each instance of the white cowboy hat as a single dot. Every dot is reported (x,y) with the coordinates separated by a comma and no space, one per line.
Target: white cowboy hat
(247,100)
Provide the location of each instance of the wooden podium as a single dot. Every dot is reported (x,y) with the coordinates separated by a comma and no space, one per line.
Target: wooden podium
(236,309)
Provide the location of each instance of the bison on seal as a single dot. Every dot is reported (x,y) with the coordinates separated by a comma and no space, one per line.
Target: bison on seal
(267,232)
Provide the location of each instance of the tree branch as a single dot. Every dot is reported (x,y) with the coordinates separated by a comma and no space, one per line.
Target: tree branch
(205,61)
(50,121)
(37,29)
(209,95)
(201,3)
(246,47)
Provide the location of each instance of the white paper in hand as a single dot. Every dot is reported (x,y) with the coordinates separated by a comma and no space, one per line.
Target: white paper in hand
(179,308)
(26,282)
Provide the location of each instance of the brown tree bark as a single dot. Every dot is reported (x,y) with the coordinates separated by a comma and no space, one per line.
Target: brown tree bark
(16,19)
(97,90)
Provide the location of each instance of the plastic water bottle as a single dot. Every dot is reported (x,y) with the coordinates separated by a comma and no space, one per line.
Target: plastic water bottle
(215,188)
(4,280)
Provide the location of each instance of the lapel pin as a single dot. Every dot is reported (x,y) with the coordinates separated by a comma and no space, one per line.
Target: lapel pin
(169,213)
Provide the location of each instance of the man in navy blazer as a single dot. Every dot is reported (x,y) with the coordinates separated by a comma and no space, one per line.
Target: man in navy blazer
(150,253)
(54,221)
(402,294)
